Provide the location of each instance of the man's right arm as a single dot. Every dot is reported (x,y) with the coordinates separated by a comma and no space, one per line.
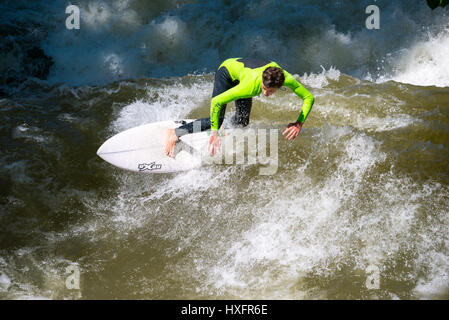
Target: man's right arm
(218,101)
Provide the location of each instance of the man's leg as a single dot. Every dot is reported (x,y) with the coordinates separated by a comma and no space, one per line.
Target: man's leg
(199,125)
(222,83)
(242,111)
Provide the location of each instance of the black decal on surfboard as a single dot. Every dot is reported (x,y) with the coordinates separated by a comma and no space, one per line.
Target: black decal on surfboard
(181,121)
(149,166)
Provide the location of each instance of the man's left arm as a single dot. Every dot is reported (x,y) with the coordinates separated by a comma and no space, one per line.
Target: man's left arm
(301,92)
(294,128)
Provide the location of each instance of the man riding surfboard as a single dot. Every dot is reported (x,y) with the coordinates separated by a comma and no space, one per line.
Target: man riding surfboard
(240,79)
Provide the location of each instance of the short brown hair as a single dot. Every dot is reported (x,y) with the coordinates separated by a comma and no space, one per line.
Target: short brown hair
(273,77)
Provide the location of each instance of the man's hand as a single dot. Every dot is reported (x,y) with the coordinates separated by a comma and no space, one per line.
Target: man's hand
(292,130)
(214,143)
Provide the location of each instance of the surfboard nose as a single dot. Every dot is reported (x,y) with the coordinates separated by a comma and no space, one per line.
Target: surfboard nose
(100,150)
(141,149)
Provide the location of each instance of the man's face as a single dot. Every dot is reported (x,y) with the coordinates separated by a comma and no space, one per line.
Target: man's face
(268,91)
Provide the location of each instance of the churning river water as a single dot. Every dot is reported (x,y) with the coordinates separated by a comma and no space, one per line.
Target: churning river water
(365,185)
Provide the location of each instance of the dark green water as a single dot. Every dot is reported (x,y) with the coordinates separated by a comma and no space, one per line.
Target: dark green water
(366,183)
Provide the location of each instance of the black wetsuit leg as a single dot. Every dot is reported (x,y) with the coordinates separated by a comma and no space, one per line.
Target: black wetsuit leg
(222,83)
(242,111)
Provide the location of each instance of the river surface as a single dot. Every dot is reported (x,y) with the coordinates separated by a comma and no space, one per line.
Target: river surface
(361,194)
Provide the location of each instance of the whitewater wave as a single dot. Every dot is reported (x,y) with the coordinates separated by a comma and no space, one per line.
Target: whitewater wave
(426,63)
(128,39)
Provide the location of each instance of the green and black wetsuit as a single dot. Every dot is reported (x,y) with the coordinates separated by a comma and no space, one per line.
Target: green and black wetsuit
(240,79)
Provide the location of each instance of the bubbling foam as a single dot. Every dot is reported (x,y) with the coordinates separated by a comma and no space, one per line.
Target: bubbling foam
(129,39)
(426,63)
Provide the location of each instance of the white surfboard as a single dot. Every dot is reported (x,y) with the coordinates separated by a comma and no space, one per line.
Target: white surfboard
(141,149)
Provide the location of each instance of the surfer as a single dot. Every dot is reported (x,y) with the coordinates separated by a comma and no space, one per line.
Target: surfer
(240,79)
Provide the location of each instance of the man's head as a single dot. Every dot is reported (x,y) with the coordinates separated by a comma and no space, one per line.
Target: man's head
(272,79)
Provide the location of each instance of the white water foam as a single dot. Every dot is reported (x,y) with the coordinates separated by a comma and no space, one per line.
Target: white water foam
(315,230)
(128,39)
(386,124)
(319,80)
(31,133)
(171,101)
(426,63)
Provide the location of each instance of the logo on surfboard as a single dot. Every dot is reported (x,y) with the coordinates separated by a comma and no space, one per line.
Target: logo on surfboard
(149,166)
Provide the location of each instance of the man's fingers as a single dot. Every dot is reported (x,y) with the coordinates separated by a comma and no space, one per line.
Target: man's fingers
(291,135)
(287,130)
(291,132)
(217,148)
(214,146)
(211,144)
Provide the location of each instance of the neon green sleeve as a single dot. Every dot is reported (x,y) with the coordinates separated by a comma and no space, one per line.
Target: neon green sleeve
(237,92)
(301,92)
